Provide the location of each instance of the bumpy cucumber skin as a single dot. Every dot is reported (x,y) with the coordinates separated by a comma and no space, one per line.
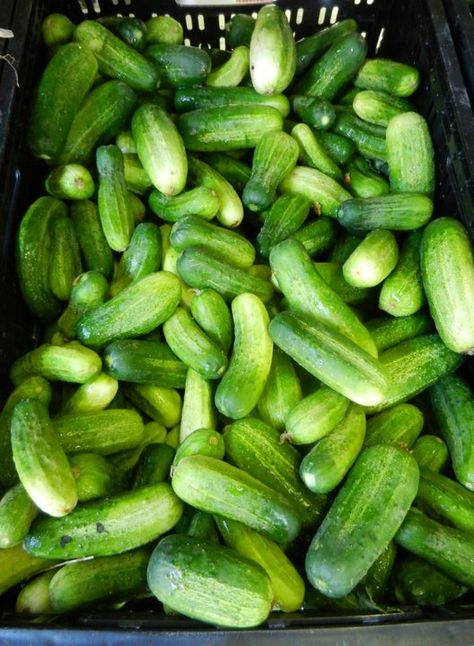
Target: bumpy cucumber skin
(233,71)
(379,107)
(65,259)
(431,453)
(199,201)
(203,97)
(282,391)
(308,48)
(397,426)
(362,181)
(198,405)
(388,331)
(331,272)
(180,65)
(201,442)
(446,500)
(17,512)
(388,76)
(210,311)
(154,465)
(416,581)
(94,476)
(372,260)
(95,249)
(325,194)
(237,594)
(163,405)
(369,139)
(363,519)
(317,236)
(313,153)
(397,212)
(315,416)
(286,216)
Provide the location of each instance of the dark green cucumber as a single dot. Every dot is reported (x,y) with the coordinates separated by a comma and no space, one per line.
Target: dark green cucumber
(186,99)
(116,59)
(398,426)
(338,147)
(136,178)
(325,194)
(236,172)
(379,107)
(164,29)
(398,79)
(56,29)
(227,128)
(449,550)
(202,270)
(282,391)
(372,260)
(431,453)
(362,181)
(201,442)
(239,30)
(198,405)
(211,313)
(154,465)
(94,247)
(141,361)
(64,259)
(311,47)
(94,395)
(136,310)
(313,153)
(274,157)
(388,331)
(244,380)
(218,586)
(163,405)
(373,587)
(88,291)
(363,519)
(199,201)
(179,65)
(142,256)
(369,139)
(343,247)
(129,29)
(331,272)
(338,65)
(17,565)
(446,500)
(202,526)
(63,85)
(233,71)
(107,579)
(447,267)
(453,405)
(285,217)
(334,359)
(255,447)
(328,461)
(17,512)
(317,236)
(314,111)
(400,212)
(107,526)
(94,476)
(417,582)
(235,495)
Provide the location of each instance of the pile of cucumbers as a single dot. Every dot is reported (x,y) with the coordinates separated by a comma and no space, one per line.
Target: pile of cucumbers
(246,395)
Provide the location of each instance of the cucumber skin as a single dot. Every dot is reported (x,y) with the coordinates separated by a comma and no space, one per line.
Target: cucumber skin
(198,405)
(210,311)
(389,76)
(365,516)
(397,426)
(95,249)
(282,391)
(17,512)
(325,194)
(16,565)
(388,331)
(372,260)
(397,212)
(431,453)
(179,65)
(308,48)
(446,500)
(284,218)
(417,582)
(315,416)
(186,99)
(317,236)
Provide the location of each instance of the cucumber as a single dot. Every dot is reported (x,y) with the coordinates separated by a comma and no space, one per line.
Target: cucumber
(195,98)
(282,391)
(154,465)
(233,71)
(33,248)
(17,565)
(70,182)
(211,313)
(33,598)
(228,127)
(431,453)
(56,29)
(202,270)
(314,111)
(193,346)
(285,217)
(233,170)
(72,363)
(94,247)
(160,149)
(379,107)
(256,447)
(226,245)
(17,512)
(287,585)
(239,30)
(199,201)
(372,260)
(201,442)
(363,519)
(218,586)
(274,157)
(88,291)
(417,582)
(125,315)
(180,65)
(136,177)
(317,236)
(410,155)
(107,526)
(272,52)
(315,416)
(328,461)
(94,476)
(336,67)
(198,405)
(92,396)
(236,495)
(398,79)
(131,30)
(445,500)
(312,152)
(40,461)
(447,267)
(402,292)
(163,405)
(310,47)
(453,406)
(449,550)
(141,361)
(103,432)
(322,191)
(202,526)
(343,247)
(331,357)
(78,585)
(308,293)
(368,138)
(398,212)
(338,147)
(172,439)
(398,426)
(64,259)
(373,586)
(388,331)
(124,141)
(362,181)
(331,272)
(243,382)
(413,365)
(63,85)
(115,58)
(142,256)
(164,29)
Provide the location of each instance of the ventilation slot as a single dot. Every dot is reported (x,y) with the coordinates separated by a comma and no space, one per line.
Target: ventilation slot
(299,16)
(322,15)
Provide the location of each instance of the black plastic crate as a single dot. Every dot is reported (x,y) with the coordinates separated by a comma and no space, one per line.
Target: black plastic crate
(413,31)
(461,20)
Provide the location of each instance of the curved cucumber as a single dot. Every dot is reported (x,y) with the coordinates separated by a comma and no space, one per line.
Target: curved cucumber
(325,194)
(313,153)
(362,181)
(282,391)
(369,139)
(199,201)
(198,405)
(211,313)
(317,236)
(310,47)
(285,217)
(142,257)
(92,396)
(236,172)
(431,453)
(315,416)
(397,426)
(180,65)
(233,71)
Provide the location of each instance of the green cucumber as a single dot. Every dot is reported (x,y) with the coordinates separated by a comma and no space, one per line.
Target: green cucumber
(331,272)
(56,29)
(17,512)
(334,359)
(398,79)
(272,52)
(417,582)
(398,426)
(317,236)
(160,149)
(163,405)
(243,382)
(449,550)
(369,139)
(236,172)
(235,495)
(154,465)
(211,313)
(199,201)
(447,267)
(410,154)
(63,85)
(198,405)
(453,405)
(186,99)
(328,461)
(446,500)
(372,260)
(179,65)
(136,177)
(314,111)
(92,396)
(431,453)
(33,598)
(322,191)
(362,181)
(343,247)
(103,432)
(202,526)
(239,30)
(88,291)
(217,586)
(115,58)
(64,259)
(313,46)
(142,256)
(388,331)
(373,587)
(285,217)
(315,416)
(275,155)
(282,391)
(141,361)
(201,442)
(338,147)
(313,153)
(70,182)
(107,526)
(398,212)
(40,461)
(124,141)
(94,247)
(256,447)
(379,107)
(17,565)
(164,29)
(131,30)
(363,519)
(136,310)
(233,71)
(94,476)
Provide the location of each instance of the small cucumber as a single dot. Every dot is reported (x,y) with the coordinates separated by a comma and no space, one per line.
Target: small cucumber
(131,30)
(431,453)
(285,217)
(388,331)
(195,98)
(398,426)
(325,194)
(243,382)
(362,181)
(198,405)
(142,256)
(154,465)
(331,272)
(94,476)
(314,111)
(446,500)
(90,235)
(417,582)
(313,153)
(163,405)
(311,47)
(211,313)
(92,396)
(199,201)
(282,391)
(136,178)
(164,29)
(398,79)
(369,139)
(64,259)
(233,71)
(17,512)
(315,416)
(124,141)
(201,442)
(233,170)
(33,598)
(372,260)
(328,461)
(16,565)
(179,65)
(379,107)
(397,212)
(317,236)
(70,182)
(88,291)
(56,29)
(239,30)
(343,247)
(338,147)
